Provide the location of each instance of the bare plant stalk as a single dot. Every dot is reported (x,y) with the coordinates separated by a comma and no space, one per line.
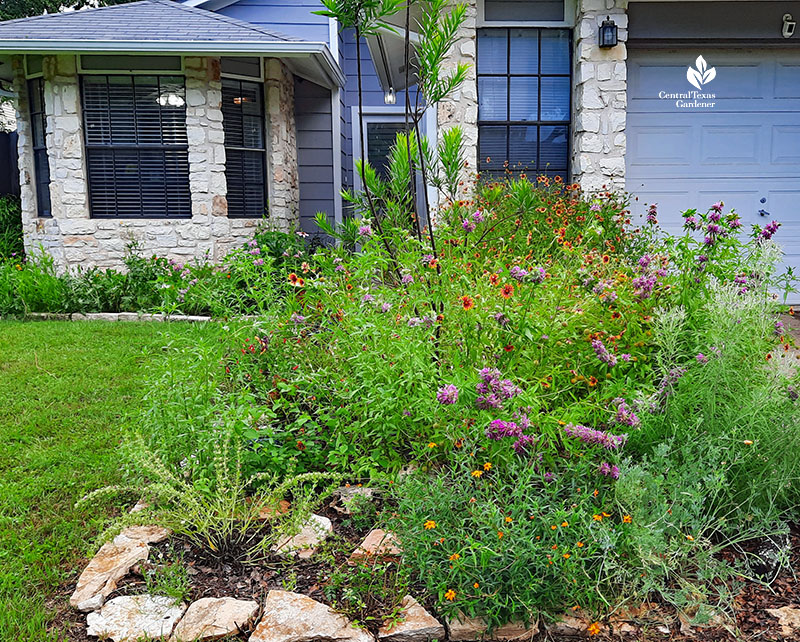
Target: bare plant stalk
(412,175)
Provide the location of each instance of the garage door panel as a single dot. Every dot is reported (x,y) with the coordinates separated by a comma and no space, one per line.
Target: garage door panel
(730,145)
(785,145)
(787,79)
(660,144)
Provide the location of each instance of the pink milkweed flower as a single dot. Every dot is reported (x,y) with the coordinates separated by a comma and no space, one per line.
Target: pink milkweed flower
(447,395)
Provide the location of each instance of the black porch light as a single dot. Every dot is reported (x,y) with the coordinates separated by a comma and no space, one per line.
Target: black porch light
(608,33)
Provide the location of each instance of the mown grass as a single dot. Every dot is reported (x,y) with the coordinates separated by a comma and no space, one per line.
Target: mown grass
(68,391)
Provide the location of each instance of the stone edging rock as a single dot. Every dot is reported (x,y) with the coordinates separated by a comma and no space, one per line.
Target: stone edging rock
(128,316)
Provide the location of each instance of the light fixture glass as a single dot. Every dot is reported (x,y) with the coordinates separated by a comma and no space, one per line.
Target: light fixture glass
(390,98)
(608,33)
(171,100)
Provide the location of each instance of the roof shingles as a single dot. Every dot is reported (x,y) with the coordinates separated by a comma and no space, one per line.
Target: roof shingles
(142,21)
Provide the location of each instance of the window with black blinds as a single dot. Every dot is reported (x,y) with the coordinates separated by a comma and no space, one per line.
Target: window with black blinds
(245,147)
(136,146)
(524,87)
(41,166)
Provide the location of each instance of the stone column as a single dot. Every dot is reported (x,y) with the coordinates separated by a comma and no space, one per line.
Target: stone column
(27,189)
(600,98)
(283,181)
(461,107)
(206,139)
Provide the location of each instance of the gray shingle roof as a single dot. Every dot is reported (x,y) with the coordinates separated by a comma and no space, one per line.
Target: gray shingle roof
(143,21)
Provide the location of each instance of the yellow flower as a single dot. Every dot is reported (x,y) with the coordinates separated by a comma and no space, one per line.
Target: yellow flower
(487,466)
(748,442)
(432,444)
(429,525)
(476,473)
(509,520)
(594,628)
(450,595)
(606,515)
(690,538)
(626,519)
(597,518)
(455,557)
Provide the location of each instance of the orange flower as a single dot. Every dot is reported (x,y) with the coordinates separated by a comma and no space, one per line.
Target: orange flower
(508,520)
(450,595)
(594,628)
(432,444)
(293,278)
(690,538)
(626,519)
(507,291)
(500,534)
(476,473)
(301,445)
(748,442)
(455,557)
(564,524)
(597,518)
(487,466)
(579,544)
(429,525)
(567,556)
(606,515)
(476,585)
(494,279)
(606,258)
(592,381)
(553,527)
(467,303)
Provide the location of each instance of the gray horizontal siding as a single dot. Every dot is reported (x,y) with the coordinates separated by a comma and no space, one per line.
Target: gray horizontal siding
(292,17)
(314,152)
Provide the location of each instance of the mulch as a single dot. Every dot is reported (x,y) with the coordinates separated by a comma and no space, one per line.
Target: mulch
(219,579)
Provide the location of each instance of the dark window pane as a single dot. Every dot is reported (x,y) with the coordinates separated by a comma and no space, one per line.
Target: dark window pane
(524,99)
(241,66)
(493,148)
(555,51)
(522,148)
(553,148)
(137,149)
(131,63)
(524,51)
(555,98)
(245,165)
(492,98)
(41,164)
(493,51)
(518,10)
(380,140)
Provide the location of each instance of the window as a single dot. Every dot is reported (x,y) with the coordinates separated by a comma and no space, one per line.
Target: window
(245,147)
(381,138)
(136,148)
(41,165)
(524,88)
(152,64)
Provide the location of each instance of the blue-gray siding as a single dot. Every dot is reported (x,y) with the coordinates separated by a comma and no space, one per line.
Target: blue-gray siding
(312,105)
(292,17)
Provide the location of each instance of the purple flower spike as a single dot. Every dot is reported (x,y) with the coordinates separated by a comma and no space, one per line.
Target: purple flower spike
(447,395)
(595,437)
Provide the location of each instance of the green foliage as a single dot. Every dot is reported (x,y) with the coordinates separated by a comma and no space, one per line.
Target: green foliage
(13,9)
(11,248)
(168,576)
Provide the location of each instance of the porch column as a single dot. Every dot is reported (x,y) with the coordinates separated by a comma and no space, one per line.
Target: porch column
(600,98)
(283,180)
(461,107)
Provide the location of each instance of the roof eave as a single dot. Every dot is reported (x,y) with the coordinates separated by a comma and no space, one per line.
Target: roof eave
(332,74)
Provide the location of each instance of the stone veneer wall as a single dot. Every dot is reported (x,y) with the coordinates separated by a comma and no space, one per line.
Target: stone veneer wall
(600,98)
(461,108)
(73,238)
(284,182)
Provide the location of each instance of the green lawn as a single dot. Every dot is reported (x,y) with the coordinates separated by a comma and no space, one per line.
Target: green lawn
(67,391)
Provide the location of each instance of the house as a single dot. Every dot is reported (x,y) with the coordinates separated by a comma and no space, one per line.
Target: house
(181,124)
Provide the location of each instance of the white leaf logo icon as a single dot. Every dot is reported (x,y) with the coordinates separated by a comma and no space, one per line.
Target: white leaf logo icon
(702,75)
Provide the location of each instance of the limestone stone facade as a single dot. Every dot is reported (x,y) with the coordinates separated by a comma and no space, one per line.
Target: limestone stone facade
(599,95)
(74,239)
(599,98)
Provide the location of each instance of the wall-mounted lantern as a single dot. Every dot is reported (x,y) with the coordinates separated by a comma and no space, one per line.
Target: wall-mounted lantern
(608,33)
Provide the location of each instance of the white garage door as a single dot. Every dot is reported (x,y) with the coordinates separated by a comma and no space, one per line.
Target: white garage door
(743,150)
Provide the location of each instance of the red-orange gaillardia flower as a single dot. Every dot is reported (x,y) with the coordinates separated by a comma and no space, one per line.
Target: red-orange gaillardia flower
(507,291)
(467,303)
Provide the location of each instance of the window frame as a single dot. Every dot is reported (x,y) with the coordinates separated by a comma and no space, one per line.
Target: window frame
(88,147)
(179,71)
(508,123)
(265,135)
(570,12)
(37,84)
